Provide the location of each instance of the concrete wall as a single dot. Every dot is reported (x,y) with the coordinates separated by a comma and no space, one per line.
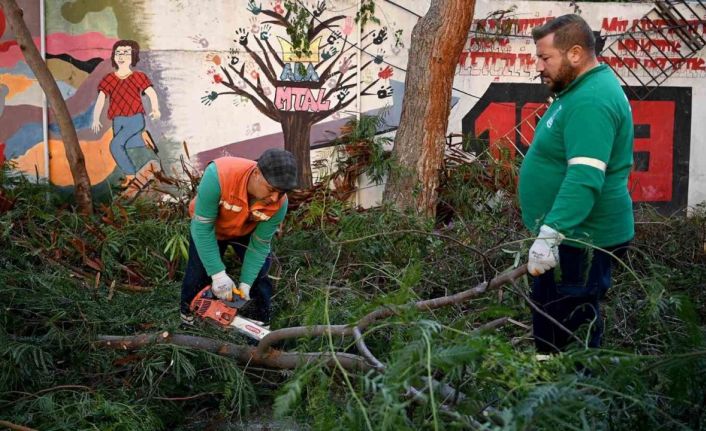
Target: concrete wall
(188,46)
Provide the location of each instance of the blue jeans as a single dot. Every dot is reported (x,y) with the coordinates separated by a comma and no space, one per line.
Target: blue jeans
(127,133)
(573,299)
(196,278)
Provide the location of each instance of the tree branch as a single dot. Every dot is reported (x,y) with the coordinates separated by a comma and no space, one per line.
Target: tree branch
(326,73)
(267,57)
(323,114)
(15,427)
(278,19)
(265,105)
(384,312)
(274,53)
(371,85)
(267,71)
(536,308)
(367,354)
(250,355)
(322,25)
(246,355)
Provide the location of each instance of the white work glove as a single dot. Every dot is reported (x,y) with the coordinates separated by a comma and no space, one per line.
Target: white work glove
(544,253)
(245,290)
(222,286)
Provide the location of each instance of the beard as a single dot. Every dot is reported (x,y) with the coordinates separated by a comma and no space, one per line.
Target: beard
(563,78)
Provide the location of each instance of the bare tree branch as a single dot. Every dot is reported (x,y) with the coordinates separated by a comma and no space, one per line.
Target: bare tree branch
(536,308)
(74,154)
(246,355)
(274,53)
(268,71)
(278,19)
(323,25)
(267,58)
(366,64)
(264,105)
(384,312)
(323,114)
(325,75)
(363,349)
(15,427)
(365,90)
(262,355)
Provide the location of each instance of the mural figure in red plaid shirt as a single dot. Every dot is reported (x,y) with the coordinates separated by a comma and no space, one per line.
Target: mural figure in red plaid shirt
(125,87)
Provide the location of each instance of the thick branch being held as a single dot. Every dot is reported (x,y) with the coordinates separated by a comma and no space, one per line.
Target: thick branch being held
(384,312)
(264,356)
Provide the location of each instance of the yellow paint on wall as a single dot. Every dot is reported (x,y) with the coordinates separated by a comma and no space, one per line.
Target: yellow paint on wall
(99,161)
(32,162)
(15,83)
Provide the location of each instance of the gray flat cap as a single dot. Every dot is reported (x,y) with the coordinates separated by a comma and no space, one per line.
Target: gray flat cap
(279,167)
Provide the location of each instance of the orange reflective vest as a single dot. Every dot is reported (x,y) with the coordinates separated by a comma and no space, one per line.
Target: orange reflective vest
(236,217)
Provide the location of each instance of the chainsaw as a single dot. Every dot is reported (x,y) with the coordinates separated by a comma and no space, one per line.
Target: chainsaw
(224,314)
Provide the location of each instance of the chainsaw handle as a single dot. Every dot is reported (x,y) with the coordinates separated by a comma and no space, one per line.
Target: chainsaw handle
(238,292)
(237,302)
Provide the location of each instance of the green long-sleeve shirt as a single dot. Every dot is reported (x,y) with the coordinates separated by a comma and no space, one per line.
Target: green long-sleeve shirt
(203,230)
(575,175)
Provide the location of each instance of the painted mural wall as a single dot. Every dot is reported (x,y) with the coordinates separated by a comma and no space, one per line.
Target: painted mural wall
(148,81)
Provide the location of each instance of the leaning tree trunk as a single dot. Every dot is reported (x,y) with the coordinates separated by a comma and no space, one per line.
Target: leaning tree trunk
(296,128)
(82,184)
(437,41)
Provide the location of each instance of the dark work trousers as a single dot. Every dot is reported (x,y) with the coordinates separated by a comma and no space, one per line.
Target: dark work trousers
(573,301)
(196,278)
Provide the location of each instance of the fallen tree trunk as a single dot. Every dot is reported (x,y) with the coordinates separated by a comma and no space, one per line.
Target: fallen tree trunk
(243,354)
(263,355)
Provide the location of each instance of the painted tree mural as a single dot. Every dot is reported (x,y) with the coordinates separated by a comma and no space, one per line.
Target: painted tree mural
(309,78)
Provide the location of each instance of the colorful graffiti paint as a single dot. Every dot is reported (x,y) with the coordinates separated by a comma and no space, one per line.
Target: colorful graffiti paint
(124,87)
(230,79)
(662,136)
(643,53)
(311,80)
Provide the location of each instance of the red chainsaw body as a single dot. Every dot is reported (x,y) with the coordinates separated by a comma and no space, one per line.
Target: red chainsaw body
(206,306)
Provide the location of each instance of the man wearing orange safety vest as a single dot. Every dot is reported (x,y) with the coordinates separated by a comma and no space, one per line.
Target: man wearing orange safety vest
(239,202)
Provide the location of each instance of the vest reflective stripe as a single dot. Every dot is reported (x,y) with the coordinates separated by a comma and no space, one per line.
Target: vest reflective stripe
(236,217)
(204,220)
(588,161)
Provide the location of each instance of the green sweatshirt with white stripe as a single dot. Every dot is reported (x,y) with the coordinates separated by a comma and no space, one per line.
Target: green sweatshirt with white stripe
(575,175)
(204,232)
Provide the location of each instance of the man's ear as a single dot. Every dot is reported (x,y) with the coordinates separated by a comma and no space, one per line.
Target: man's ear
(576,54)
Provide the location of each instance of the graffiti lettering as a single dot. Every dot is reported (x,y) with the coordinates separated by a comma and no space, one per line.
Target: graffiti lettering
(298,73)
(300,99)
(515,25)
(661,149)
(698,64)
(648,45)
(614,24)
(691,26)
(495,63)
(635,55)
(653,181)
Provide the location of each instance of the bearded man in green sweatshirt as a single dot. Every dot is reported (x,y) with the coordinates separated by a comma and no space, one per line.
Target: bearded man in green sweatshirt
(573,187)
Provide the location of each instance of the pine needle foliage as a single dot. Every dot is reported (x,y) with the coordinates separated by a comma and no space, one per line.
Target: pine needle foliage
(335,263)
